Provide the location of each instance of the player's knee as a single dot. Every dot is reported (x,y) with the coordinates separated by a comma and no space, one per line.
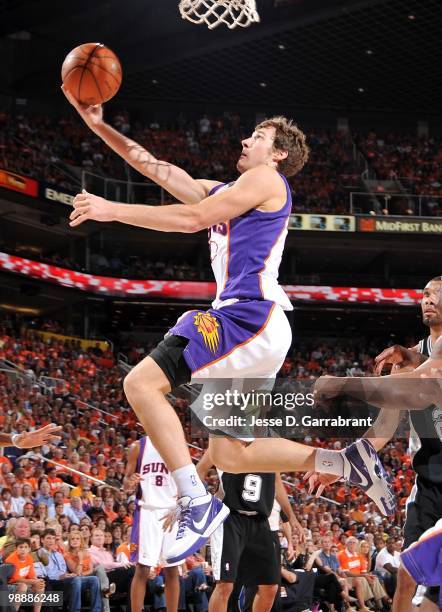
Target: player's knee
(267,593)
(225,461)
(145,377)
(171,572)
(224,589)
(142,572)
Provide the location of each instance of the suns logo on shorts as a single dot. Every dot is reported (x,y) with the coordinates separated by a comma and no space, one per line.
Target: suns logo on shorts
(207,326)
(133,547)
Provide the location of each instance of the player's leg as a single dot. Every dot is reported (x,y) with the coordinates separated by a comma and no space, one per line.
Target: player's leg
(265,597)
(226,548)
(260,564)
(220,597)
(145,387)
(358,463)
(172,583)
(405,590)
(138,587)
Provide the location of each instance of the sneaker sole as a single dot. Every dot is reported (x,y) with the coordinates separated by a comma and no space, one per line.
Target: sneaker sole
(219,519)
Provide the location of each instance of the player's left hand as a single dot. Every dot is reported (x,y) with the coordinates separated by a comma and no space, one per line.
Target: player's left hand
(89,207)
(31,439)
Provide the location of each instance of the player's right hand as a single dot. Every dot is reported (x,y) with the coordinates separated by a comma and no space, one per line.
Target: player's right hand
(170,519)
(91,115)
(399,357)
(319,481)
(132,482)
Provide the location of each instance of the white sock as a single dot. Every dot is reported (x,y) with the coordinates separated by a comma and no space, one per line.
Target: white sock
(329,462)
(188,482)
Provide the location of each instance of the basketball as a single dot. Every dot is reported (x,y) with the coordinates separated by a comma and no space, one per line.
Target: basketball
(92,73)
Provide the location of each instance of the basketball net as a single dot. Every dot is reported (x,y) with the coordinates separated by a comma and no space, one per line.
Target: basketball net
(213,12)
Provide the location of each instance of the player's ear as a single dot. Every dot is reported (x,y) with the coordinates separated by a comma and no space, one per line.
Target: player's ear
(279,155)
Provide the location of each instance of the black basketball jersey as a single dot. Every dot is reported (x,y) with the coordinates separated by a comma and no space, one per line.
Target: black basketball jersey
(426,434)
(247,492)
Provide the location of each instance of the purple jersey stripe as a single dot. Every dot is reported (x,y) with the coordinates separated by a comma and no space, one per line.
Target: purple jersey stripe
(135,537)
(252,237)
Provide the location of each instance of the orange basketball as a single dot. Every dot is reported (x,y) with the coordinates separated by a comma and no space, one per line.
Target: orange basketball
(92,73)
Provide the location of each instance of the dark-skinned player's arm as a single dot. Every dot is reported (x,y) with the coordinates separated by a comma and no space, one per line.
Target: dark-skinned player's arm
(204,465)
(131,478)
(416,390)
(283,500)
(253,189)
(175,180)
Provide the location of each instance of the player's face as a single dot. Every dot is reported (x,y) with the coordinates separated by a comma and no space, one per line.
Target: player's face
(432,304)
(257,150)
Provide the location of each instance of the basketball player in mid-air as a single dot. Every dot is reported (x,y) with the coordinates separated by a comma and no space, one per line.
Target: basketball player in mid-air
(246,334)
(31,439)
(149,477)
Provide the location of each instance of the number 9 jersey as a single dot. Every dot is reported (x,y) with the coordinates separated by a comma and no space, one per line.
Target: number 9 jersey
(247,493)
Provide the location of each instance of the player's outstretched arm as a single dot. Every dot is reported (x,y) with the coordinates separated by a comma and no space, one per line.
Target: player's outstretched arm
(31,439)
(384,428)
(283,500)
(414,390)
(255,188)
(175,180)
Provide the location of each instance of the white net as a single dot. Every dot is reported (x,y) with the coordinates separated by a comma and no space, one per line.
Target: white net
(232,13)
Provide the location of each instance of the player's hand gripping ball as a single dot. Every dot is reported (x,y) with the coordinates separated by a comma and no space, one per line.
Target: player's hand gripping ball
(92,73)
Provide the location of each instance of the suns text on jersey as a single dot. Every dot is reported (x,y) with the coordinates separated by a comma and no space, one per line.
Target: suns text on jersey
(154,468)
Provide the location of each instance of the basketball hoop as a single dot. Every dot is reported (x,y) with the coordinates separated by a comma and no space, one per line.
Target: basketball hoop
(213,12)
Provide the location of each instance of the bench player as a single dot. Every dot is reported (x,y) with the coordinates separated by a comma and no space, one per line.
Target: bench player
(246,334)
(148,475)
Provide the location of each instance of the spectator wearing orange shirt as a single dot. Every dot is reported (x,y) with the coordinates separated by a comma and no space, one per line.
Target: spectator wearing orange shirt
(24,577)
(351,565)
(108,510)
(79,561)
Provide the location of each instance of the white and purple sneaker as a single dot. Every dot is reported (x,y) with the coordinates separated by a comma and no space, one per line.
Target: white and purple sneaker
(363,468)
(198,519)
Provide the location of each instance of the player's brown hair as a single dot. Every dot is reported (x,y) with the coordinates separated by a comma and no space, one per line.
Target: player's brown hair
(288,137)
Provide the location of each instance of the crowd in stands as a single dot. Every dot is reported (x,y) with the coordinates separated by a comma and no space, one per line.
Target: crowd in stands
(77,530)
(56,149)
(44,148)
(414,162)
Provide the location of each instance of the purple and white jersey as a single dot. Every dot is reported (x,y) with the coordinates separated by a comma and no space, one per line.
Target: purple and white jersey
(246,254)
(158,488)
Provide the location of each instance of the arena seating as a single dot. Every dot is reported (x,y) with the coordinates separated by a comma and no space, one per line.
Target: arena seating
(98,427)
